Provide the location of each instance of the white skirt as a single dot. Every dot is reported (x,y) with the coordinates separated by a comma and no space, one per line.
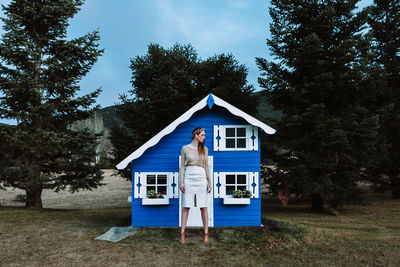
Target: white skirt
(195,182)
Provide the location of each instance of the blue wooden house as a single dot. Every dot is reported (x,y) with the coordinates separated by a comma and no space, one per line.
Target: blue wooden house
(233,141)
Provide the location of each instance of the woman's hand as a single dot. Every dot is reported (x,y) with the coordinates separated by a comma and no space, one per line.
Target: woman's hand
(182,188)
(209,188)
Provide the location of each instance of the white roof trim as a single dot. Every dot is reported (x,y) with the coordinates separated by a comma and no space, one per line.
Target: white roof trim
(184,117)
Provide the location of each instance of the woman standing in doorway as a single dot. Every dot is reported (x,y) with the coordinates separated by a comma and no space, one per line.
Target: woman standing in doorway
(194,180)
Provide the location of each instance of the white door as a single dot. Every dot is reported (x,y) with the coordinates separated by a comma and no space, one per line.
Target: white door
(194,219)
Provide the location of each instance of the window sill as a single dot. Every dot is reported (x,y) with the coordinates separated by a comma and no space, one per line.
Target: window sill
(236,201)
(155,201)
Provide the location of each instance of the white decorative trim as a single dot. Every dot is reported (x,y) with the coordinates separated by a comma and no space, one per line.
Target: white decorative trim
(170,181)
(143,187)
(222,187)
(255,132)
(250,179)
(256,188)
(216,190)
(186,116)
(216,143)
(135,188)
(249,134)
(176,188)
(236,201)
(155,201)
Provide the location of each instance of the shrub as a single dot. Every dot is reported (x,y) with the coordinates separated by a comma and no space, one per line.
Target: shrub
(242,194)
(154,194)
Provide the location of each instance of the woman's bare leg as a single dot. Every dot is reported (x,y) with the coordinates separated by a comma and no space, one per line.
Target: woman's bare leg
(204,217)
(184,218)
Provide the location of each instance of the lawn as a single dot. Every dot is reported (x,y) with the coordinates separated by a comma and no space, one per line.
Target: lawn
(361,235)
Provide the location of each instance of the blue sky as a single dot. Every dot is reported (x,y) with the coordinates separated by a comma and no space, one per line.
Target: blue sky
(127,27)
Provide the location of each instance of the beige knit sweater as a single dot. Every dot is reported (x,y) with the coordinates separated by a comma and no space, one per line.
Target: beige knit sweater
(190,157)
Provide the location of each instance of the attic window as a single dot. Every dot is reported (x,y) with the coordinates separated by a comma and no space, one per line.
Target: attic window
(235,137)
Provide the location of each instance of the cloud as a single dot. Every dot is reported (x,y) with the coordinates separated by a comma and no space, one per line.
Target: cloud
(211,29)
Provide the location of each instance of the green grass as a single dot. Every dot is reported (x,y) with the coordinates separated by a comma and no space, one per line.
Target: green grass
(361,235)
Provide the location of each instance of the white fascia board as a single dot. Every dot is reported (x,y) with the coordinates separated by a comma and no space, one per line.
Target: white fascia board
(251,120)
(169,129)
(184,117)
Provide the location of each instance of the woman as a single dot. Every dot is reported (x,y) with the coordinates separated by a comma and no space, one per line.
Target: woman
(194,180)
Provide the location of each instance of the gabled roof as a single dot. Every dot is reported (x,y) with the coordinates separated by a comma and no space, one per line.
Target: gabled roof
(209,100)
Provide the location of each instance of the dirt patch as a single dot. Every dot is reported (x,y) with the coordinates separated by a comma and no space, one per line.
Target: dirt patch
(112,195)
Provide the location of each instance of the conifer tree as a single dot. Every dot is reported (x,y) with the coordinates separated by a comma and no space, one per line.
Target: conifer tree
(384,83)
(166,83)
(39,74)
(325,135)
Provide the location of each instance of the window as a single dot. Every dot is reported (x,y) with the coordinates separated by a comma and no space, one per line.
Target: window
(235,137)
(227,182)
(164,183)
(235,182)
(157,182)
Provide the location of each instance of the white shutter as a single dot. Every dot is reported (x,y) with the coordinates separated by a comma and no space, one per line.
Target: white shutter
(255,131)
(249,133)
(222,140)
(170,181)
(222,188)
(210,166)
(216,145)
(216,192)
(250,177)
(143,188)
(257,182)
(135,188)
(176,182)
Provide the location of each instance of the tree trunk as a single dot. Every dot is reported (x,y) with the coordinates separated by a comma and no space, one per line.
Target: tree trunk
(34,198)
(317,203)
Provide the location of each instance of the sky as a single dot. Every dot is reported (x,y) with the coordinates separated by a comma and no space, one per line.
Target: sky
(127,27)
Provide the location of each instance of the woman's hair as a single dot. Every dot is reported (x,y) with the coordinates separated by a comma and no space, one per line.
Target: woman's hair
(200,148)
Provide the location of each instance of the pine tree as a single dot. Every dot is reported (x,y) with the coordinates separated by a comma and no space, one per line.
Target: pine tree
(325,135)
(168,82)
(384,20)
(39,74)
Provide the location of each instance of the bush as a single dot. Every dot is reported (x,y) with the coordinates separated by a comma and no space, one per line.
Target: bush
(242,194)
(154,194)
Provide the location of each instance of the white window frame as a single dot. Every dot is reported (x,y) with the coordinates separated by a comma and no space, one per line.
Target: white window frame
(220,178)
(220,130)
(236,184)
(156,185)
(141,178)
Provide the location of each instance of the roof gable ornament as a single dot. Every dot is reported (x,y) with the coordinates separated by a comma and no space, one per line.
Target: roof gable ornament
(210,101)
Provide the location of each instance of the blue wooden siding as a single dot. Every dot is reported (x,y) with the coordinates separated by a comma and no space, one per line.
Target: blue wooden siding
(166,216)
(164,157)
(237,215)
